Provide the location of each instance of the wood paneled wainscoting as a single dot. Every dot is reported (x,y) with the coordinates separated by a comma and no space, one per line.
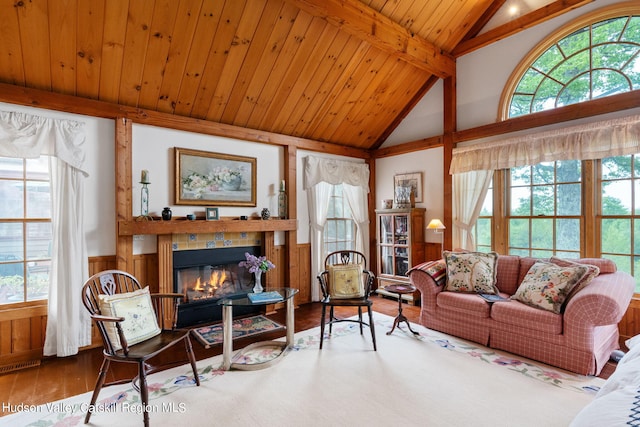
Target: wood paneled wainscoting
(23,326)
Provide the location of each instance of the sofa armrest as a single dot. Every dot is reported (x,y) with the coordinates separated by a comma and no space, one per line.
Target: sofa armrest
(603,302)
(429,288)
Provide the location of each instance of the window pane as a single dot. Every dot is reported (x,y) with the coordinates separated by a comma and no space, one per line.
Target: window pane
(520,201)
(487,206)
(520,176)
(543,203)
(569,171)
(12,196)
(39,240)
(543,173)
(616,236)
(616,167)
(616,198)
(541,254)
(569,199)
(542,233)
(38,168)
(483,229)
(11,168)
(568,234)
(519,233)
(38,280)
(38,199)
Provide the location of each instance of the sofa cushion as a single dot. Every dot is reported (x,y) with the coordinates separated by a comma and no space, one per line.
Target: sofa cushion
(469,304)
(472,272)
(606,266)
(547,285)
(518,314)
(508,273)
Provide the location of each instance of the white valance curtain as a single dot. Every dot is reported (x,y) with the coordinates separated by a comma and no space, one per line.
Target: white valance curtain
(27,136)
(596,140)
(472,166)
(319,175)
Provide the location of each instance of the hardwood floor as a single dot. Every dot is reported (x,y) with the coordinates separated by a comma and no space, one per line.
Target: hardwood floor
(57,378)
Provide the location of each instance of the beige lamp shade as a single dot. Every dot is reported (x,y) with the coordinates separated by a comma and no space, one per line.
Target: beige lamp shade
(436,225)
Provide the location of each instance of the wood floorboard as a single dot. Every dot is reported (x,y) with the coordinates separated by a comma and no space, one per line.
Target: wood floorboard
(58,378)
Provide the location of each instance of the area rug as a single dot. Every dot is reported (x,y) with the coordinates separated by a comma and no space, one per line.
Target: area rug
(429,380)
(212,335)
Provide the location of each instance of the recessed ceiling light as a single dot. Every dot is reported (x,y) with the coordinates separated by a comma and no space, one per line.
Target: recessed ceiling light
(513,10)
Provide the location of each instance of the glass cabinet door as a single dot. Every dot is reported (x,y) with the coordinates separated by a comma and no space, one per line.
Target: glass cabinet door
(386,230)
(386,260)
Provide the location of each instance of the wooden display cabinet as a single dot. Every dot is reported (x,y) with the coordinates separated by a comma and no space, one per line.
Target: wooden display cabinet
(400,246)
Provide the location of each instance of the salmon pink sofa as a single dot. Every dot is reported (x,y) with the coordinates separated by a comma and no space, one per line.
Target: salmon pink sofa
(580,338)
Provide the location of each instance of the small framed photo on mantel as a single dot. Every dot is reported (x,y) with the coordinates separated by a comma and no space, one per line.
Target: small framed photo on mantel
(212,214)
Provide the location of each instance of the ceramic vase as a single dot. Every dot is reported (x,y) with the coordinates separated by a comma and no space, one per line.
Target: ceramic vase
(257,287)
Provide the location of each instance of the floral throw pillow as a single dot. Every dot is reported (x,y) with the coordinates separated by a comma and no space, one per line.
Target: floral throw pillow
(546,285)
(593,272)
(472,272)
(140,322)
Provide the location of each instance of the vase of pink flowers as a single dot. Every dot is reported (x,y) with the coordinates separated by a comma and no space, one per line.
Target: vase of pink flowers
(257,266)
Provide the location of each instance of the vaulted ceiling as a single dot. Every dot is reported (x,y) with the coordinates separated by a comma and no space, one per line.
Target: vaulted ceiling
(342,71)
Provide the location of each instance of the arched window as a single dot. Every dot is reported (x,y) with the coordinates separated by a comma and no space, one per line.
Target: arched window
(594,57)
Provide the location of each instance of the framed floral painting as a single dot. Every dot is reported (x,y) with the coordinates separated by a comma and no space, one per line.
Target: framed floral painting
(205,178)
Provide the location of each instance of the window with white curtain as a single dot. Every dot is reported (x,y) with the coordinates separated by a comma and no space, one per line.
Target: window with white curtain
(25,229)
(340,229)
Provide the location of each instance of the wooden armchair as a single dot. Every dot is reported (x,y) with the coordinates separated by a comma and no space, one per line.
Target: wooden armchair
(131,324)
(346,282)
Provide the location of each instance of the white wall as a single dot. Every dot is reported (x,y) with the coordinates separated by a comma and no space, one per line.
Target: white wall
(430,163)
(153,151)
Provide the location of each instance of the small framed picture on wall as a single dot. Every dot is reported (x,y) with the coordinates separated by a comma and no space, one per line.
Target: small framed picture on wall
(212,214)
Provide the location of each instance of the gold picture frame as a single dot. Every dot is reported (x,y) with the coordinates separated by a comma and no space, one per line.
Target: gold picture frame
(206,178)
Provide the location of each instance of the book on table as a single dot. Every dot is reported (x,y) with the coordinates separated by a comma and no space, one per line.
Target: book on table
(263,297)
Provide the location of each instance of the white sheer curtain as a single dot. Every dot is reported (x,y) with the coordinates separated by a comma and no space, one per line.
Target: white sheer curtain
(469,191)
(319,175)
(357,199)
(318,200)
(27,136)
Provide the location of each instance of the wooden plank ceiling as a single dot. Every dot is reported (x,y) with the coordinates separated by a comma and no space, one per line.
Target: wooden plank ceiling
(343,71)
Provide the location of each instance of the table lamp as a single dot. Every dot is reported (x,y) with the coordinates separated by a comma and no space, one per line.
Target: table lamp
(438,227)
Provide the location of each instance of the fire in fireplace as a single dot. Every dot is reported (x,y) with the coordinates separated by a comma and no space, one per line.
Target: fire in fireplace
(204,276)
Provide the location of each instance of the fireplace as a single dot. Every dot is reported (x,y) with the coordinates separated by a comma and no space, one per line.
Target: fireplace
(204,276)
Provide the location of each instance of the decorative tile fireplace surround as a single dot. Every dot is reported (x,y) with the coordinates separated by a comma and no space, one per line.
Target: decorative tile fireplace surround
(184,235)
(206,274)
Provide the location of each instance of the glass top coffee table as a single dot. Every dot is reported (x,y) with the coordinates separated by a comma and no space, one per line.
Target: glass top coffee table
(235,362)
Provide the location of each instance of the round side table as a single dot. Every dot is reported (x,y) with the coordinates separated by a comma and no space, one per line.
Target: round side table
(400,289)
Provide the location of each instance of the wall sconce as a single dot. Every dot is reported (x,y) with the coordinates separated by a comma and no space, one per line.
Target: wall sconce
(438,227)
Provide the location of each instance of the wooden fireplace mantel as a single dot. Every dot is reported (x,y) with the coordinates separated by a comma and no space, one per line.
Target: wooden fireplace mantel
(159,227)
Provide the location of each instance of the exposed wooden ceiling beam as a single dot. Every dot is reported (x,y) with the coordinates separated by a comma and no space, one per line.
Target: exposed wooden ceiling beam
(493,8)
(526,21)
(365,23)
